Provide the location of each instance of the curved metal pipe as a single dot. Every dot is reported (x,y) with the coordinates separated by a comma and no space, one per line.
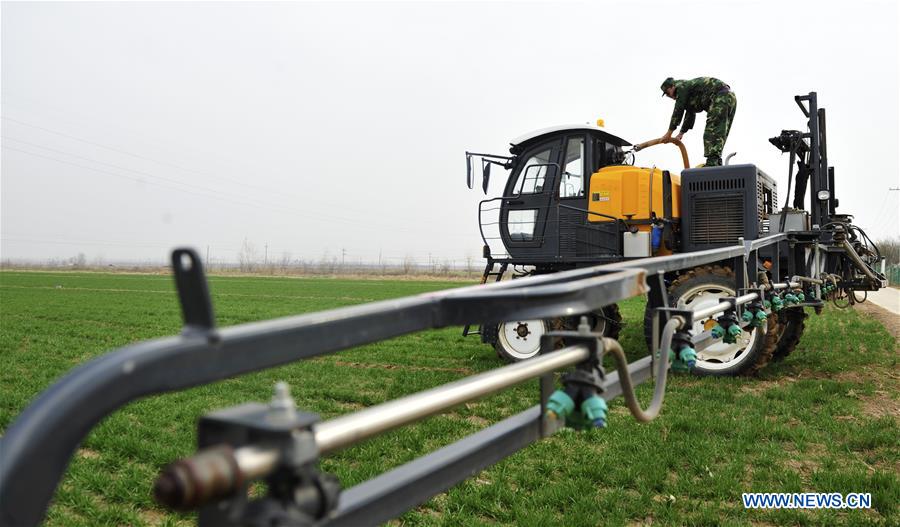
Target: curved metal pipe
(676,142)
(659,391)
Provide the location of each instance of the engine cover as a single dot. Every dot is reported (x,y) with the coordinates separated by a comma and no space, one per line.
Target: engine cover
(722,204)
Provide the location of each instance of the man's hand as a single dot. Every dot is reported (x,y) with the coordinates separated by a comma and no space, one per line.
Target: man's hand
(679,136)
(667,136)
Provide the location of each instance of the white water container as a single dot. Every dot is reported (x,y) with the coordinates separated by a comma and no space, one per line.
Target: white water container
(637,245)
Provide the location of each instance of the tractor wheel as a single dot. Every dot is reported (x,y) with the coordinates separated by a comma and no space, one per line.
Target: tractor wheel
(607,321)
(703,287)
(519,340)
(791,323)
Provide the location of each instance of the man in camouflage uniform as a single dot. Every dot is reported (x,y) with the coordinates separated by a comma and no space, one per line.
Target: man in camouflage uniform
(703,94)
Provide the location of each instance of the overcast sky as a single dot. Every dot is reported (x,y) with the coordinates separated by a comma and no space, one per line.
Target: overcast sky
(340,128)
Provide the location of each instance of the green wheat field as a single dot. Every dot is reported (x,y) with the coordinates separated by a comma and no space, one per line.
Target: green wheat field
(823,420)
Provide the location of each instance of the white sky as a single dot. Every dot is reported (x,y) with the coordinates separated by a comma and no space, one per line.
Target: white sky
(321,128)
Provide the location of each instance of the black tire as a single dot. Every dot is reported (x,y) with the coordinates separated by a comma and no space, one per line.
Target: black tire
(488,333)
(791,323)
(611,318)
(719,280)
(607,321)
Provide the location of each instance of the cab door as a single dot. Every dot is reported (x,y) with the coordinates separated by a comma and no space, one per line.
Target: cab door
(572,194)
(528,198)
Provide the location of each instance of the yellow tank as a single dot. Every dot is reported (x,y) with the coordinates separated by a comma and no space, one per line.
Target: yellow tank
(625,192)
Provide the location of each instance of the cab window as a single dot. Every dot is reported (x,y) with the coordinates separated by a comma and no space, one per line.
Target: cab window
(534,173)
(571,184)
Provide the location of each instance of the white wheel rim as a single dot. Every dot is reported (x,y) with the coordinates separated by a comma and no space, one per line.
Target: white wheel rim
(718,355)
(521,339)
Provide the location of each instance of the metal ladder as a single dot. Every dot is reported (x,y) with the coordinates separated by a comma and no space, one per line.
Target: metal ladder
(485,277)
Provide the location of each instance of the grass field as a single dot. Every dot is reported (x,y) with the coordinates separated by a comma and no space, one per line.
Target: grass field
(824,420)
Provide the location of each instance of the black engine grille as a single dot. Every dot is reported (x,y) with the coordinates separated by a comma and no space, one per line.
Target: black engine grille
(717,219)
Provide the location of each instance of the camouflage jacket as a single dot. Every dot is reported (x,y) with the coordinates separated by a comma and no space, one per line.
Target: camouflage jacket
(692,96)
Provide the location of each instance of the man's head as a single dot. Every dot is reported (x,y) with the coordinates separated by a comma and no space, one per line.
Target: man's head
(668,87)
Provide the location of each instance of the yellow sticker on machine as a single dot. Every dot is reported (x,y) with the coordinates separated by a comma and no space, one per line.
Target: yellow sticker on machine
(603,195)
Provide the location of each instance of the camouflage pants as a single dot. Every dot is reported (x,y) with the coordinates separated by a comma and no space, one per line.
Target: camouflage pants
(718,124)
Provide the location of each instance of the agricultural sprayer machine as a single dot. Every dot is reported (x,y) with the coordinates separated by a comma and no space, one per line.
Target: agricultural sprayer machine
(726,277)
(574,199)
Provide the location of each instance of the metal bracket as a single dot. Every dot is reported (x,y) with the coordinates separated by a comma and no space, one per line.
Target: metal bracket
(729,316)
(593,341)
(760,292)
(193,291)
(731,300)
(686,314)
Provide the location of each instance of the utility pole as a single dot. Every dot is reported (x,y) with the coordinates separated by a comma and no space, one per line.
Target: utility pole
(343,256)
(207,257)
(266,257)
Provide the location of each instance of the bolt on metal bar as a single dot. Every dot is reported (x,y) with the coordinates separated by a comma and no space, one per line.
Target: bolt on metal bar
(349,429)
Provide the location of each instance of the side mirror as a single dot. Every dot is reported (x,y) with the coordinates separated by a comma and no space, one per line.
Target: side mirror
(485,175)
(470,182)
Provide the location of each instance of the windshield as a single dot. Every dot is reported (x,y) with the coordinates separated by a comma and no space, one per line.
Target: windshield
(533,173)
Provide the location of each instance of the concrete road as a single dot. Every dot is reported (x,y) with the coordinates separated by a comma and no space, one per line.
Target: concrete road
(888,298)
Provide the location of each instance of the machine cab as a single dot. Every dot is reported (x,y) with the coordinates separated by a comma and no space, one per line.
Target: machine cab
(544,207)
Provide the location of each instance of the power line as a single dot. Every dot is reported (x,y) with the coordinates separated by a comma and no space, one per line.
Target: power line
(279,193)
(132,154)
(126,169)
(269,207)
(123,176)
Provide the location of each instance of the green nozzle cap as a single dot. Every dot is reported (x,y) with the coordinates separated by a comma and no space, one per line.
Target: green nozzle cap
(561,404)
(733,332)
(688,357)
(594,409)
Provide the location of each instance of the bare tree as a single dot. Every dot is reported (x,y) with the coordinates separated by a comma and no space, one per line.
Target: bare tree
(248,257)
(890,250)
(285,263)
(408,264)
